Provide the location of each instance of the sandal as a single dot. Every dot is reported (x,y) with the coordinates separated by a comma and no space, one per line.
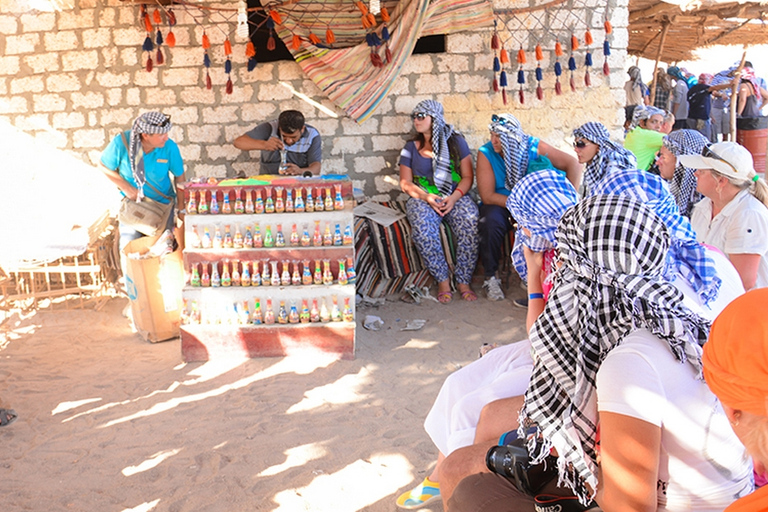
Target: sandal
(424,493)
(444,297)
(469,295)
(7,416)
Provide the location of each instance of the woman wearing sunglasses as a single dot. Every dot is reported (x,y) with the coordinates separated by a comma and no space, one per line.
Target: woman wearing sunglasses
(594,147)
(436,171)
(733,216)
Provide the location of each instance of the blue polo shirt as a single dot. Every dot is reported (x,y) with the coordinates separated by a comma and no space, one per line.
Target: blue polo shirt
(159,164)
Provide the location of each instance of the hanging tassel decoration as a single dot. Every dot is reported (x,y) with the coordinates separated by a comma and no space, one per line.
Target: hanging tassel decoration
(504,56)
(149,64)
(558,72)
(574,43)
(384,14)
(206,41)
(539,77)
(503,79)
(587,64)
(206,60)
(208,82)
(250,53)
(495,84)
(504,96)
(157,17)
(170,40)
(495,41)
(607,48)
(275,16)
(572,68)
(159,41)
(521,56)
(385,36)
(147,22)
(539,53)
(588,38)
(148,46)
(228,66)
(227,47)
(558,49)
(229,87)
(271,38)
(252,63)
(296,42)
(330,37)
(496,65)
(521,81)
(314,39)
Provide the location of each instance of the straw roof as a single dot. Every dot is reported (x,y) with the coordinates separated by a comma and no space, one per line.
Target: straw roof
(692,25)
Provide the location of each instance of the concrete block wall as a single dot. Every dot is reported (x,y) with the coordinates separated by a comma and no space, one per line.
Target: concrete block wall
(75,78)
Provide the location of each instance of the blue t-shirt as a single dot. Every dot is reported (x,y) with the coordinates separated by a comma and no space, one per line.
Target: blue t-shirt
(307,150)
(535,163)
(422,166)
(158,163)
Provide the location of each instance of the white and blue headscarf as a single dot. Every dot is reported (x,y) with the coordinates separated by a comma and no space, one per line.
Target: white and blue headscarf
(517,147)
(610,155)
(150,123)
(441,132)
(537,203)
(686,256)
(643,112)
(683,183)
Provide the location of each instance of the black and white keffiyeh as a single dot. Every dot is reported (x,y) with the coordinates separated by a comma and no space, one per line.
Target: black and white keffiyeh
(683,183)
(441,132)
(610,155)
(643,112)
(150,123)
(516,147)
(612,250)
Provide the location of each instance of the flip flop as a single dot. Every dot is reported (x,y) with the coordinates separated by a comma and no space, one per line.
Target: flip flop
(7,416)
(469,295)
(424,493)
(444,297)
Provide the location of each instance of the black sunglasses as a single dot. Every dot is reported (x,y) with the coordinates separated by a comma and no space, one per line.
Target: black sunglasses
(165,122)
(419,115)
(581,144)
(500,120)
(708,153)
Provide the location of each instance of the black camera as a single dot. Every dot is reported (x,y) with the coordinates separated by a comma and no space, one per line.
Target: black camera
(512,461)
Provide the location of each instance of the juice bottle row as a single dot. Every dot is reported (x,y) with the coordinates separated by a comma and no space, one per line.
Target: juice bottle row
(241,274)
(254,239)
(243,314)
(265,200)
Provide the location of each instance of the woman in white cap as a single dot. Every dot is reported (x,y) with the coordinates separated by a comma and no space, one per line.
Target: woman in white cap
(733,216)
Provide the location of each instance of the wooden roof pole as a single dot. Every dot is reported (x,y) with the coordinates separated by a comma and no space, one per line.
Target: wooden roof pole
(664,28)
(735,94)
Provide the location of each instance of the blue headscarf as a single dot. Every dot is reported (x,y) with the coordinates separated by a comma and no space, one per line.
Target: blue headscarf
(686,256)
(610,155)
(537,203)
(441,132)
(516,147)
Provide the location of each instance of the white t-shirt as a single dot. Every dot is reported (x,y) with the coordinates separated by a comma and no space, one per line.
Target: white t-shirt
(730,288)
(740,228)
(702,465)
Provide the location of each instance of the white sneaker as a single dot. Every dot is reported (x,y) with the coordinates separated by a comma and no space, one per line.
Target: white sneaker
(492,287)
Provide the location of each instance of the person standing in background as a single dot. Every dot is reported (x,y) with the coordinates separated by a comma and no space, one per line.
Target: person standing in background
(700,106)
(679,98)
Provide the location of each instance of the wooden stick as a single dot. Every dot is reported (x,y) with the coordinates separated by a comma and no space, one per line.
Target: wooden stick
(664,28)
(734,94)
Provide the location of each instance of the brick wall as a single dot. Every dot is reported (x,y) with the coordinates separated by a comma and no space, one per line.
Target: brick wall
(75,78)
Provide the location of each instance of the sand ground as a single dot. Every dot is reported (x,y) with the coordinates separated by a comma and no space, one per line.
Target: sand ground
(109,422)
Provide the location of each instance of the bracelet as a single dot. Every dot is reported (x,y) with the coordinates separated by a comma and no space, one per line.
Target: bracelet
(534,296)
(460,191)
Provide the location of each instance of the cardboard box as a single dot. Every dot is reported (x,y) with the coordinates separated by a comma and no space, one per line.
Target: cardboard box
(154,287)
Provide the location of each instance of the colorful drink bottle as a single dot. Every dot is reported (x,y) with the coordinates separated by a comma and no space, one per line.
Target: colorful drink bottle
(192,203)
(249,208)
(239,207)
(258,207)
(202,205)
(279,203)
(226,207)
(347,314)
(289,200)
(214,202)
(304,316)
(314,313)
(205,279)
(338,202)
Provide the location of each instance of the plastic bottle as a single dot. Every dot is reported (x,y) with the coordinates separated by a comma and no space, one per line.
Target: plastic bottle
(338,202)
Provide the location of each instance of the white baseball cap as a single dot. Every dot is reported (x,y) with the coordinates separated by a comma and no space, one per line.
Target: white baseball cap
(727,158)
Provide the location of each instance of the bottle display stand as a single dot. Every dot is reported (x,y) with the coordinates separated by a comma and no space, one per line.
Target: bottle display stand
(246,226)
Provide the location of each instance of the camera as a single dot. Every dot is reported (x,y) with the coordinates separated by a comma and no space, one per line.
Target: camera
(511,460)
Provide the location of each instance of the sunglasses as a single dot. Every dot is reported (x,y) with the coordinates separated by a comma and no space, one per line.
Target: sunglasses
(165,122)
(708,153)
(419,115)
(500,120)
(581,144)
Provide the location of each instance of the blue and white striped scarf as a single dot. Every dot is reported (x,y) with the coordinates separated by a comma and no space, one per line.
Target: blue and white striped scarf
(441,132)
(686,256)
(537,203)
(516,147)
(610,155)
(683,183)
(150,123)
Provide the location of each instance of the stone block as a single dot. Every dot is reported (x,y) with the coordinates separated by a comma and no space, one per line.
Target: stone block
(9,25)
(159,96)
(129,57)
(205,133)
(122,117)
(388,142)
(38,22)
(97,37)
(110,79)
(133,96)
(258,112)
(60,41)
(348,145)
(183,115)
(183,38)
(432,84)
(32,122)
(27,84)
(369,164)
(128,37)
(40,62)
(227,152)
(240,94)
(186,57)
(63,82)
(470,82)
(74,61)
(384,184)
(452,63)
(405,104)
(82,18)
(66,120)
(418,64)
(107,17)
(87,100)
(88,138)
(326,127)
(198,95)
(114,97)
(401,85)
(273,92)
(144,78)
(221,115)
(129,15)
(207,170)
(334,166)
(190,153)
(395,124)
(289,70)
(261,73)
(350,127)
(23,43)
(48,103)
(109,57)
(467,42)
(52,138)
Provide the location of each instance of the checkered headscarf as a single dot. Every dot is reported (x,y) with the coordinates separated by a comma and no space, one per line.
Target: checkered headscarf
(686,256)
(148,122)
(515,147)
(683,184)
(610,155)
(643,112)
(537,203)
(441,132)
(612,250)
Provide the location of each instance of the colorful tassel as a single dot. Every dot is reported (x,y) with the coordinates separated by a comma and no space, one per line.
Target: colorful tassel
(229,87)
(539,74)
(276,16)
(558,88)
(573,84)
(539,92)
(520,76)
(385,33)
(330,37)
(588,38)
(384,14)
(572,63)
(171,17)
(371,19)
(159,38)
(366,24)
(314,39)
(558,69)
(503,79)
(271,43)
(495,85)
(521,96)
(147,23)
(149,64)
(208,82)
(250,50)
(587,79)
(206,41)
(148,46)
(206,60)
(171,39)
(495,41)
(296,43)
(157,17)
(558,49)
(160,57)
(539,52)
(227,47)
(606,48)
(574,43)
(521,56)
(252,64)
(606,68)
(388,54)
(504,96)
(496,65)
(608,27)
(228,66)
(362,7)
(588,59)
(504,56)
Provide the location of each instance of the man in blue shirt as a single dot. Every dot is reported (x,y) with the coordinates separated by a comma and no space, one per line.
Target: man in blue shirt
(141,161)
(287,145)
